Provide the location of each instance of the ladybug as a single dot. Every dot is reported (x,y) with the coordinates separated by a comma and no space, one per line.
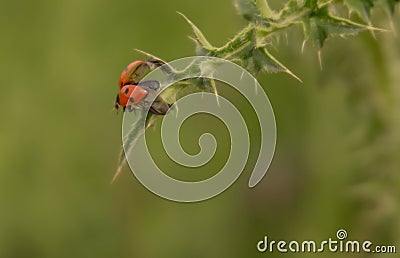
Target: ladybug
(127,75)
(130,95)
(134,93)
(135,71)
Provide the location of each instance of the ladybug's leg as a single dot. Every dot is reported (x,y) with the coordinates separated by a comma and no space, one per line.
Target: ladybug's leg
(150,84)
(116,103)
(130,108)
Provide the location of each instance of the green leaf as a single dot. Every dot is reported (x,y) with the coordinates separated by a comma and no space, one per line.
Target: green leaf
(312,4)
(171,94)
(248,9)
(322,25)
(200,50)
(293,9)
(269,63)
(199,35)
(336,26)
(149,55)
(241,40)
(314,33)
(131,138)
(265,10)
(361,7)
(257,59)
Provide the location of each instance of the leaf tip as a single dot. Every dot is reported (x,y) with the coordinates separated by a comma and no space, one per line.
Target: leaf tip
(186,18)
(199,35)
(303,46)
(293,75)
(320,59)
(117,173)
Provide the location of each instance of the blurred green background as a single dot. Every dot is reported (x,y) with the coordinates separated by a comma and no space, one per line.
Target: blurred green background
(336,164)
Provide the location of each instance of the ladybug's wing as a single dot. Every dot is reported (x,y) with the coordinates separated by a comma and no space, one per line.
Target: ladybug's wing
(135,95)
(159,106)
(149,84)
(154,63)
(157,61)
(125,77)
(140,71)
(150,64)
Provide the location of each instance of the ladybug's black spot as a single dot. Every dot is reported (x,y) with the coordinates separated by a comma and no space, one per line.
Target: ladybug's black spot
(131,99)
(126,90)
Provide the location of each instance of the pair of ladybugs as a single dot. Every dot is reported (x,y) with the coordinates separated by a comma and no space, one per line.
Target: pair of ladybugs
(133,93)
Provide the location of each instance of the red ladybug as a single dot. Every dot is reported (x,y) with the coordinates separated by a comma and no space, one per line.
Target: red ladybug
(135,71)
(132,93)
(127,75)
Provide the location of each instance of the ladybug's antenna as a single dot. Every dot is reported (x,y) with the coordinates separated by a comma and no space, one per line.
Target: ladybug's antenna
(116,104)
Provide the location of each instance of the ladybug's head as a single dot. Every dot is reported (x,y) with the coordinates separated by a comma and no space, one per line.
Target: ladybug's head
(129,95)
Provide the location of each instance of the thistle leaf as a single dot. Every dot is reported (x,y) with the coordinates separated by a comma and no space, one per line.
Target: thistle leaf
(248,10)
(312,4)
(361,7)
(314,33)
(149,55)
(293,13)
(170,94)
(322,25)
(242,39)
(199,35)
(270,63)
(265,10)
(257,59)
(130,142)
(214,87)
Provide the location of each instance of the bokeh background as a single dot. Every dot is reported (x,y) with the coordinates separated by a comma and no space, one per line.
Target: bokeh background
(337,161)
